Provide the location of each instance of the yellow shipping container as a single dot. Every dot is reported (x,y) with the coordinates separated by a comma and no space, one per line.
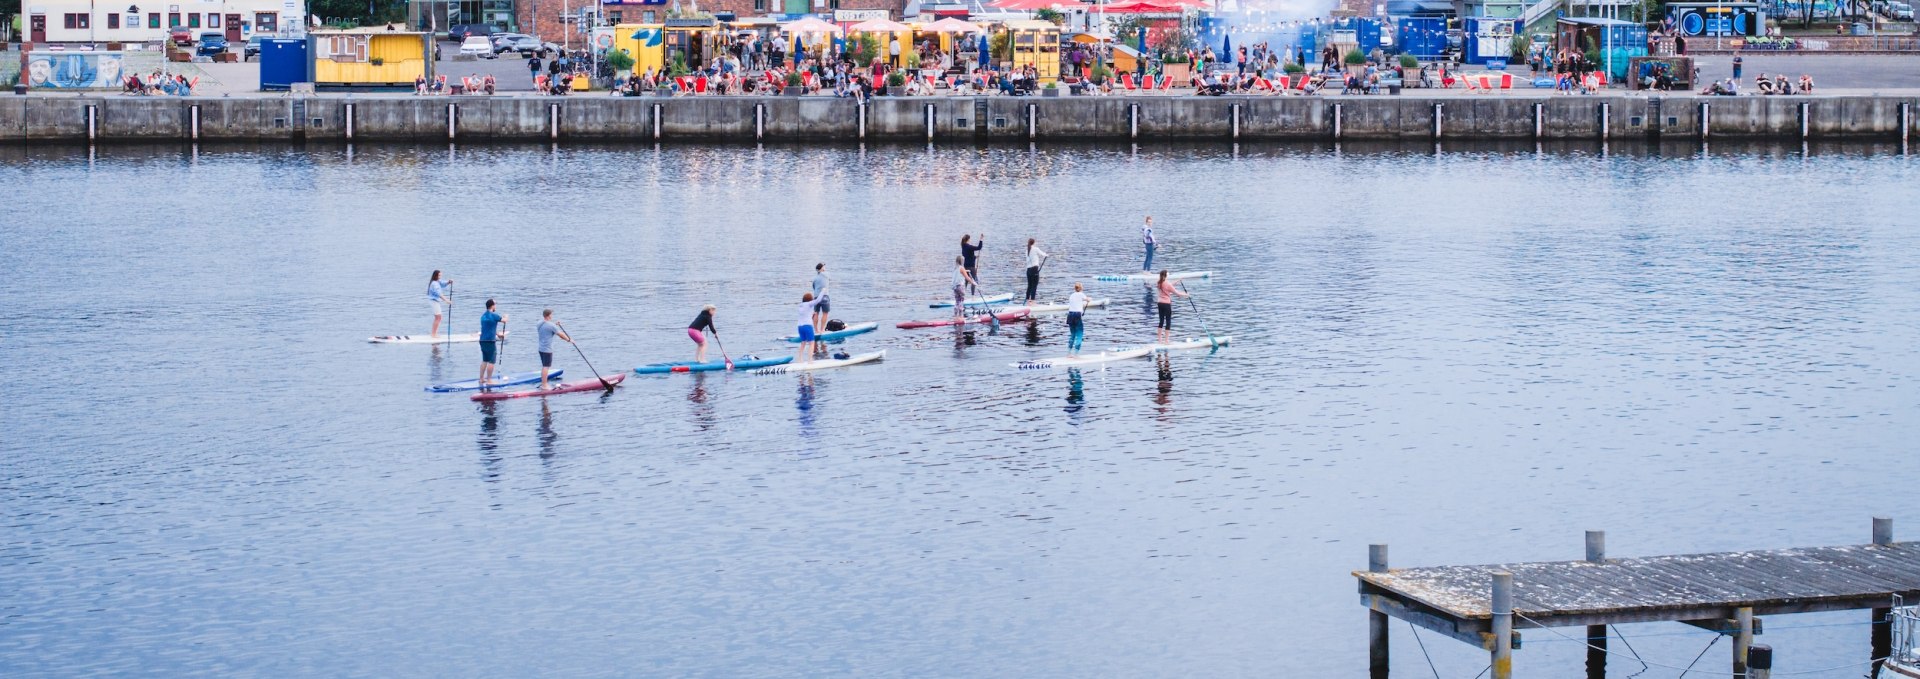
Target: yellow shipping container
(346,58)
(646,43)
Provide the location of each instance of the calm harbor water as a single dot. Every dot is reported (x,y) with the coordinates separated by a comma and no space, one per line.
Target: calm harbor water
(1472,355)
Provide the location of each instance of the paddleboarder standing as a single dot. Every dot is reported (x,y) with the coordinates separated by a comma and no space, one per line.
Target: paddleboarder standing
(492,328)
(970,252)
(547,331)
(439,293)
(823,308)
(1076,320)
(809,306)
(702,324)
(1163,297)
(961,279)
(1146,237)
(1035,257)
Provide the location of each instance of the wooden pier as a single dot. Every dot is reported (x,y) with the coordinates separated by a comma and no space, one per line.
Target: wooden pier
(1724,592)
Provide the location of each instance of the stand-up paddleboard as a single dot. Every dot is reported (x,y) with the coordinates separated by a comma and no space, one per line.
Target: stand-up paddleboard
(975,301)
(823,364)
(424,339)
(1153,277)
(1190,343)
(851,330)
(589,384)
(501,380)
(1083,359)
(1061,308)
(743,363)
(1008,315)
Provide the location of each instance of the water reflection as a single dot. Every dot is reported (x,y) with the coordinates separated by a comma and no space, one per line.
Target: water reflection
(700,407)
(545,436)
(803,402)
(489,441)
(1163,388)
(1076,395)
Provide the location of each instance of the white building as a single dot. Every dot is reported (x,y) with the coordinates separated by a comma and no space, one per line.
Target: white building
(99,21)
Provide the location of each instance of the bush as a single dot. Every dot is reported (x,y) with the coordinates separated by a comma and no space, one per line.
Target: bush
(793,80)
(1053,15)
(1356,57)
(1522,48)
(1291,67)
(619,60)
(910,57)
(1052,85)
(894,79)
(1101,72)
(1407,61)
(678,67)
(865,49)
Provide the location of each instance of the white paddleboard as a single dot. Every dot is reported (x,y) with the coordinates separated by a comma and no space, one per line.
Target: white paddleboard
(1083,359)
(1154,277)
(975,301)
(1039,309)
(1190,343)
(424,339)
(823,364)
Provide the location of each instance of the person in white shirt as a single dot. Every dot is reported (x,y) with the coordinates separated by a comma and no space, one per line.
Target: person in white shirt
(1146,236)
(1076,320)
(1035,257)
(439,294)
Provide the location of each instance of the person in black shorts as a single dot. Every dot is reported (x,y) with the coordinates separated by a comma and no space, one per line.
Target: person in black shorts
(1164,293)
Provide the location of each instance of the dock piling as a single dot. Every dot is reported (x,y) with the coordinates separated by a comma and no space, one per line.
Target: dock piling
(1539,120)
(453,120)
(1133,121)
(1502,625)
(349,124)
(1742,640)
(656,122)
(553,121)
(1439,113)
(194,120)
(1596,634)
(1377,630)
(1882,632)
(1337,110)
(1760,662)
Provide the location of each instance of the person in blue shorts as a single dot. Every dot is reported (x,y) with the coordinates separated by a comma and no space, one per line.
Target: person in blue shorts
(808,305)
(492,329)
(547,331)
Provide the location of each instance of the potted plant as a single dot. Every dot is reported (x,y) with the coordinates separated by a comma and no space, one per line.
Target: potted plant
(1295,72)
(896,84)
(621,63)
(1355,58)
(1409,71)
(1052,89)
(1176,66)
(794,87)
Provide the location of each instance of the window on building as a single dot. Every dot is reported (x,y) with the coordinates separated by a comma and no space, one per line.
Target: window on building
(213,20)
(759,5)
(173,19)
(193,20)
(153,20)
(73,21)
(646,17)
(113,21)
(266,22)
(613,16)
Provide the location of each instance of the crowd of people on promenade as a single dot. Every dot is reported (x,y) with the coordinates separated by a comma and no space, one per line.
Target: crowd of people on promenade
(159,83)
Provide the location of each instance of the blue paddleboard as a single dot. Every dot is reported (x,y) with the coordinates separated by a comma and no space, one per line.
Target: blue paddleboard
(743,363)
(851,330)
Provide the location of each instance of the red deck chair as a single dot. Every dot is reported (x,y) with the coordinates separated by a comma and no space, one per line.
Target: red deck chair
(700,85)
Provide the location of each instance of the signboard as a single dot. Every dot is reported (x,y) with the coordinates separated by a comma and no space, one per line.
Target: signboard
(854,16)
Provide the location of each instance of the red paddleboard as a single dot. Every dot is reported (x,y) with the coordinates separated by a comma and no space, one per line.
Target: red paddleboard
(592,384)
(1008,315)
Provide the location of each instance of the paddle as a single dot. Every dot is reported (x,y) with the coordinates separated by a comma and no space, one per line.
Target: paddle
(583,358)
(1197,316)
(723,347)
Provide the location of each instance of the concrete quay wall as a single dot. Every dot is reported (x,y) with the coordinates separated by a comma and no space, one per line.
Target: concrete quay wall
(114,118)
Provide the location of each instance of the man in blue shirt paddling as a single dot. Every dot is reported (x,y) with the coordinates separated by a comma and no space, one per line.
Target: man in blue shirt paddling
(492,329)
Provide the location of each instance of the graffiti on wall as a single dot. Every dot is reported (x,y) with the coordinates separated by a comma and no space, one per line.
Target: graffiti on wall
(74,70)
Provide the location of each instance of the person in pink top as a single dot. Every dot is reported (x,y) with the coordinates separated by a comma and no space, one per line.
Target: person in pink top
(1164,296)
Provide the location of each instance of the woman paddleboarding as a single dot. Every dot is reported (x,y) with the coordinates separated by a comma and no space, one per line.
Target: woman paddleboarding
(1163,297)
(970,253)
(439,293)
(697,330)
(808,306)
(961,279)
(1146,238)
(1035,257)
(1076,319)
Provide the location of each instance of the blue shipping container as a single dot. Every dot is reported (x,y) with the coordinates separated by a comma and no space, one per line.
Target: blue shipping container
(1423,37)
(1486,38)
(283,62)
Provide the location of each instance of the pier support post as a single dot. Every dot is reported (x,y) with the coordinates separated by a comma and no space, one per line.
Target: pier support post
(1502,625)
(860,115)
(1337,110)
(1606,120)
(1133,121)
(1804,111)
(553,121)
(1742,640)
(1906,120)
(1760,662)
(1539,120)
(1377,667)
(453,120)
(349,122)
(656,122)
(1882,617)
(193,115)
(1706,119)
(1596,634)
(1439,114)
(759,121)
(928,114)
(1033,120)
(1236,121)
(93,122)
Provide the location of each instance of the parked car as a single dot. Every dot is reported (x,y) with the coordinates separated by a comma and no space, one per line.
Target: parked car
(525,45)
(211,44)
(252,48)
(1903,11)
(460,32)
(477,45)
(181,36)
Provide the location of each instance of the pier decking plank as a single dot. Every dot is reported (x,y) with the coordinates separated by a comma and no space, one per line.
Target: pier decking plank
(1552,593)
